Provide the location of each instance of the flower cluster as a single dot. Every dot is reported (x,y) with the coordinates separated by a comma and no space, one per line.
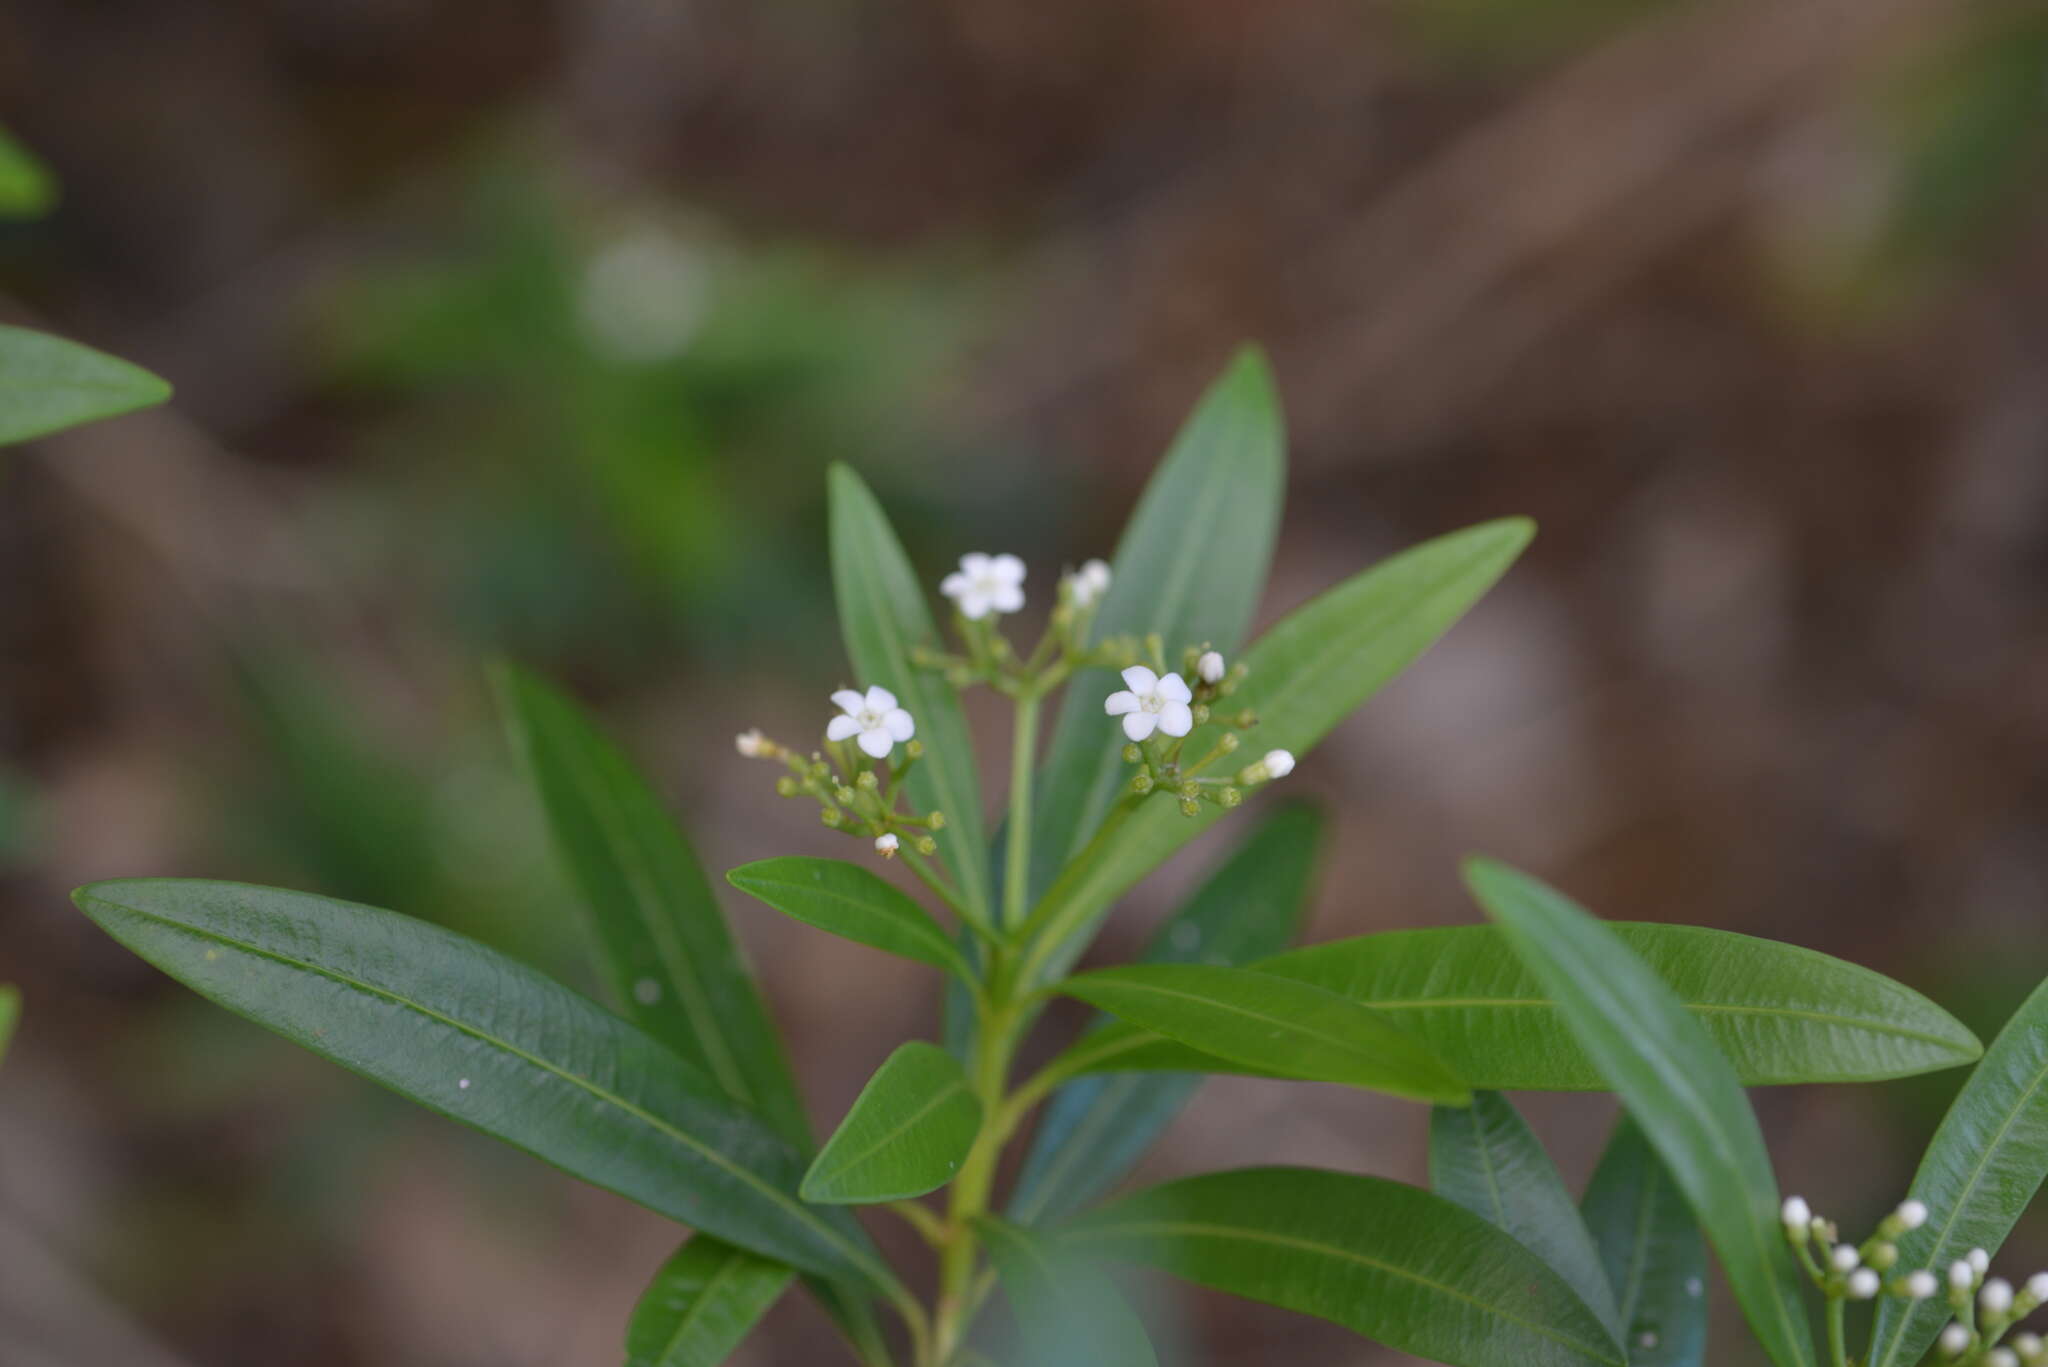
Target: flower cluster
(858,787)
(1157,707)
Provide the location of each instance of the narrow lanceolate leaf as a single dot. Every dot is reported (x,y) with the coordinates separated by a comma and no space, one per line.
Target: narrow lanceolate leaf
(1778,1012)
(48,384)
(1651,1250)
(27,190)
(1068,1315)
(883,616)
(1674,1081)
(705,1299)
(667,953)
(1395,1264)
(10,1013)
(1274,1025)
(847,900)
(1095,1128)
(1484,1158)
(1307,674)
(481,1038)
(1190,566)
(1980,1172)
(906,1135)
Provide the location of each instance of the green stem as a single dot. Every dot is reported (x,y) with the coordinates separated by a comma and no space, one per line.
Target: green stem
(1017,862)
(1837,1350)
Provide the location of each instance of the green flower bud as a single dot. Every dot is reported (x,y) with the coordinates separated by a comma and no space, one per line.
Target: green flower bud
(1201,713)
(1227,742)
(1231,797)
(1190,807)
(787,786)
(844,795)
(829,815)
(867,782)
(1142,784)
(914,749)
(937,820)
(926,845)
(1190,788)
(1132,754)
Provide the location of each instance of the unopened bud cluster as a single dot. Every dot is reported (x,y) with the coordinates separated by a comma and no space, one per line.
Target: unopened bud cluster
(1160,710)
(855,779)
(987,588)
(1859,1272)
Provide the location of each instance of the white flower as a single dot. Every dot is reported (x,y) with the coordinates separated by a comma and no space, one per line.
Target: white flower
(2037,1286)
(1151,701)
(1954,1340)
(1862,1283)
(1961,1275)
(1279,763)
(1845,1257)
(1996,1297)
(1921,1285)
(1980,1261)
(984,584)
(750,743)
(1210,667)
(885,845)
(1911,1214)
(1796,1214)
(875,719)
(1088,584)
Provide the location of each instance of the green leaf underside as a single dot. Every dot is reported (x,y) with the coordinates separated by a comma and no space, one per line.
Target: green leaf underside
(1651,1250)
(1673,1081)
(10,1015)
(481,1038)
(27,190)
(1190,565)
(701,1304)
(1307,674)
(666,952)
(849,901)
(1484,1157)
(1398,1265)
(1095,1129)
(883,615)
(905,1135)
(1979,1174)
(1068,1315)
(1275,1025)
(48,384)
(1778,1012)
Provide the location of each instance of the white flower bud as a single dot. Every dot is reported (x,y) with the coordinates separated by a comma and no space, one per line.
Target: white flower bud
(1279,763)
(1862,1283)
(2001,1357)
(1845,1258)
(1961,1275)
(1954,1340)
(1210,667)
(1911,1214)
(1796,1214)
(1996,1297)
(2037,1286)
(887,845)
(1921,1285)
(750,743)
(1980,1261)
(2028,1346)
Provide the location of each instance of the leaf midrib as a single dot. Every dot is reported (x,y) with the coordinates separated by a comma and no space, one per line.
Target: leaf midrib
(1335,1041)
(913,923)
(888,1137)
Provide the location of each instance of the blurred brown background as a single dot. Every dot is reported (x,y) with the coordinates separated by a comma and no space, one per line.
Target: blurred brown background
(530,327)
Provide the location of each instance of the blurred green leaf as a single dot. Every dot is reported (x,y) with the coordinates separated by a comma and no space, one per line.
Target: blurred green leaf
(1095,1128)
(1276,1025)
(1067,1315)
(10,1016)
(1484,1158)
(1401,1266)
(906,1134)
(883,615)
(1675,1082)
(27,189)
(1651,1250)
(1979,1174)
(702,1302)
(847,900)
(1191,566)
(483,1039)
(48,384)
(668,954)
(1307,674)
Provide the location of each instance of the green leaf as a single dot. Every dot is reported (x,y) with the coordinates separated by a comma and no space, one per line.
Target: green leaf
(667,953)
(1674,1081)
(1190,565)
(48,384)
(883,615)
(1307,674)
(1276,1025)
(847,900)
(483,1039)
(1979,1174)
(1484,1158)
(705,1299)
(1068,1315)
(906,1135)
(1395,1264)
(1094,1129)
(27,190)
(1651,1250)
(10,1015)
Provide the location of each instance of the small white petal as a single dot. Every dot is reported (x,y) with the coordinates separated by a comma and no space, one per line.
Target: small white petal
(973,605)
(876,743)
(1863,1283)
(886,845)
(1279,763)
(1210,667)
(1120,702)
(841,727)
(848,701)
(955,584)
(880,699)
(1174,688)
(974,564)
(899,724)
(749,743)
(1007,568)
(1138,725)
(1096,575)
(1140,680)
(1176,719)
(1796,1214)
(1007,598)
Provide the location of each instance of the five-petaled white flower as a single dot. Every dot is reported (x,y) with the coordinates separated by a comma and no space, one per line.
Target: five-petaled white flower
(875,720)
(1089,583)
(985,584)
(1150,702)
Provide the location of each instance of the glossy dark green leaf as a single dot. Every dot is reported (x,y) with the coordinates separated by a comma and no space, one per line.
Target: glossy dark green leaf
(1651,1250)
(1276,1025)
(1484,1158)
(1190,565)
(27,189)
(1068,1314)
(705,1299)
(667,953)
(1402,1266)
(48,384)
(481,1038)
(1095,1128)
(10,1015)
(883,615)
(906,1134)
(1978,1175)
(847,900)
(1307,674)
(1675,1082)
